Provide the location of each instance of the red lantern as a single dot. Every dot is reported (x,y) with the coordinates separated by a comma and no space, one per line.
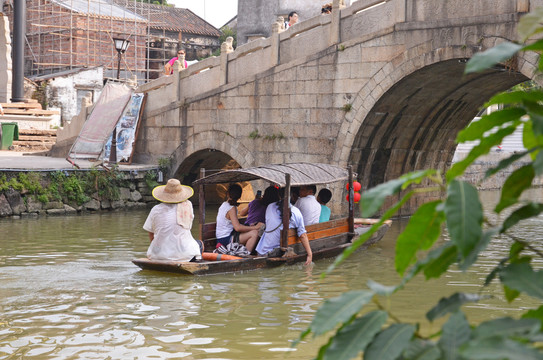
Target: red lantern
(356,197)
(356,186)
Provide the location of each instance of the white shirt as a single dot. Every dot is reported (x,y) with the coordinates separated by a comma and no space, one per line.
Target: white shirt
(224,226)
(171,241)
(270,240)
(310,209)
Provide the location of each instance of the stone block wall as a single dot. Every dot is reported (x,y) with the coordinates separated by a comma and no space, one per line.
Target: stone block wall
(20,203)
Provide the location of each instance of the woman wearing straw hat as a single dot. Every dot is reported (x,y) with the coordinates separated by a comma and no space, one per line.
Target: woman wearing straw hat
(169,224)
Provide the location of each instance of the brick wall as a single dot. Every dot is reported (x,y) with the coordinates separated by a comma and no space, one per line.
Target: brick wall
(60,39)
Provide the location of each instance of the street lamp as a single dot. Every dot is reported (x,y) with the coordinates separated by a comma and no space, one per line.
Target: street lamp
(121,45)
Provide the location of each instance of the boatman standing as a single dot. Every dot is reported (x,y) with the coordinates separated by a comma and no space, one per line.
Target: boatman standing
(169,224)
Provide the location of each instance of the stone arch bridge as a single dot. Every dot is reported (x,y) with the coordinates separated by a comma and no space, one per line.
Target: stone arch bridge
(378,85)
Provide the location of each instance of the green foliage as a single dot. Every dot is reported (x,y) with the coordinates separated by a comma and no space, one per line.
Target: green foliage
(150,179)
(164,164)
(274,136)
(378,333)
(106,183)
(226,32)
(23,182)
(74,187)
(254,134)
(347,107)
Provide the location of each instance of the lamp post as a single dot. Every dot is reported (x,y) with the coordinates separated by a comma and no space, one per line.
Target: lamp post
(121,45)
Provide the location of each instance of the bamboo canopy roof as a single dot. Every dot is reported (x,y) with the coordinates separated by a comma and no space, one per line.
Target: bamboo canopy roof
(300,174)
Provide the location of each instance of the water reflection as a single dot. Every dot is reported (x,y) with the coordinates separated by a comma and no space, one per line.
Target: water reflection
(69,291)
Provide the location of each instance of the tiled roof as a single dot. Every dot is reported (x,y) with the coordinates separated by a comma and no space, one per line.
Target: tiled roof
(99,7)
(171,18)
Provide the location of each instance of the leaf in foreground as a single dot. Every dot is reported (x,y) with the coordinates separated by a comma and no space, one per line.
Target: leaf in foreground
(514,186)
(491,57)
(527,211)
(451,304)
(535,314)
(482,148)
(470,259)
(507,327)
(521,277)
(372,199)
(421,232)
(530,23)
(505,163)
(499,348)
(464,216)
(478,128)
(354,338)
(422,350)
(456,331)
(338,310)
(390,343)
(368,234)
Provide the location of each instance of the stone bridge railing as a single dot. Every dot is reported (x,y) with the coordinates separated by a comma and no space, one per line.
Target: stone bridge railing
(363,19)
(360,23)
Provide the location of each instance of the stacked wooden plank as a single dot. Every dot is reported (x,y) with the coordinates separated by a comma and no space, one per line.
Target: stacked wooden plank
(32,136)
(32,140)
(30,107)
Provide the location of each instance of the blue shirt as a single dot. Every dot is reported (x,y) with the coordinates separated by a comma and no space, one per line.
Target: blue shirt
(271,238)
(325,213)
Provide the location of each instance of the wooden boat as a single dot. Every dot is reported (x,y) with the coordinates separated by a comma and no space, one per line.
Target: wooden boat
(326,239)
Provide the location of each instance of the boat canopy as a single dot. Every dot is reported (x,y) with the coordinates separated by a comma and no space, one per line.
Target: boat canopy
(300,174)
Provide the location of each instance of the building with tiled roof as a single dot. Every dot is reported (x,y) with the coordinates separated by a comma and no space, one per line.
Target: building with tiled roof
(172,28)
(68,34)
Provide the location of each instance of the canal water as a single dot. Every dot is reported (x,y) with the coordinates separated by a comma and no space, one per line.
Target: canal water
(68,290)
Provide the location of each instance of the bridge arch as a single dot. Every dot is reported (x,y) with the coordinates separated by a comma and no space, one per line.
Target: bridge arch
(409,119)
(209,150)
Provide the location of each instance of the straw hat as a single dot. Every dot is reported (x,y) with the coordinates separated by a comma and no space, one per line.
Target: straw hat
(173,192)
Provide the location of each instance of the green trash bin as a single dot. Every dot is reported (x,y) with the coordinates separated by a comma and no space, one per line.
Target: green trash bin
(10,131)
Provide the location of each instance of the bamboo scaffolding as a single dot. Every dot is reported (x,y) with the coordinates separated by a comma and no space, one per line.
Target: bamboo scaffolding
(55,23)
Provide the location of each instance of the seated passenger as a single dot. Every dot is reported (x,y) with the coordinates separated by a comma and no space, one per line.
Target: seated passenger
(294,194)
(271,239)
(323,198)
(256,211)
(228,227)
(169,224)
(308,205)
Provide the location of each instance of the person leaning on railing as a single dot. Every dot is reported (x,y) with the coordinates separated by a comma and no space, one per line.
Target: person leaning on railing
(168,68)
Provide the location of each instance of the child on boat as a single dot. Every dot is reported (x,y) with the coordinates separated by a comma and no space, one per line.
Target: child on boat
(323,198)
(169,224)
(229,228)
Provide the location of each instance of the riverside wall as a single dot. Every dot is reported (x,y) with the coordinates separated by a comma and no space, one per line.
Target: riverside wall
(134,193)
(475,174)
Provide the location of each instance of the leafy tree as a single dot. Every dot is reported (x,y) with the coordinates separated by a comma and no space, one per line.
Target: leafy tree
(380,335)
(226,32)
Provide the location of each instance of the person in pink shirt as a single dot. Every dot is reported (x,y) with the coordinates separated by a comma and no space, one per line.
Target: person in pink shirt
(168,68)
